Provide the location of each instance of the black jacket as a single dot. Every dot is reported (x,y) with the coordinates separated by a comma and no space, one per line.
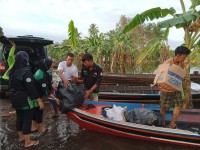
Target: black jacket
(43,78)
(22,88)
(21,82)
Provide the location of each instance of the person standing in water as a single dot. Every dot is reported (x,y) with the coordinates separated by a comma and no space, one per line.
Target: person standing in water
(43,78)
(24,97)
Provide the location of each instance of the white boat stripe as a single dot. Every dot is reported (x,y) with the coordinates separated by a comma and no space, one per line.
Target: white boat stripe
(140,126)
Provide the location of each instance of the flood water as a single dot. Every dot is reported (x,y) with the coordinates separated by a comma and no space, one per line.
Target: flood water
(64,134)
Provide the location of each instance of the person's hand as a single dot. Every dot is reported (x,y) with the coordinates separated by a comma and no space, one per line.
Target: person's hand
(12,43)
(57,101)
(66,83)
(40,103)
(54,86)
(74,78)
(164,88)
(87,94)
(160,86)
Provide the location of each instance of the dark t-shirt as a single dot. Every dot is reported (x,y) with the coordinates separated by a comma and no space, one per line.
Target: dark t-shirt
(91,77)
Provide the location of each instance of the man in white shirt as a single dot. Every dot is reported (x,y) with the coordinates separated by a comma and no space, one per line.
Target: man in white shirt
(67,69)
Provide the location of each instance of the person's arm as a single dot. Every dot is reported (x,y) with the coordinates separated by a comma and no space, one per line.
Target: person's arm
(66,83)
(60,72)
(96,85)
(98,82)
(55,99)
(77,78)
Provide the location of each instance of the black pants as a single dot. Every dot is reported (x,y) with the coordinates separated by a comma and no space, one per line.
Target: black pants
(24,120)
(38,115)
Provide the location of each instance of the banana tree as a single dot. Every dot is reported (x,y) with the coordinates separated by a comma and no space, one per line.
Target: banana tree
(153,46)
(183,20)
(93,43)
(75,42)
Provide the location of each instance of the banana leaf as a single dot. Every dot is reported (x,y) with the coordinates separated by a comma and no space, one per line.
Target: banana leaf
(150,14)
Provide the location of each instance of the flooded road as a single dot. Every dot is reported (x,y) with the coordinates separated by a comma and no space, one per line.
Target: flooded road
(64,134)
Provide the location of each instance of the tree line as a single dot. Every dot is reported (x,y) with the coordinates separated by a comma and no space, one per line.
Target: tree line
(115,52)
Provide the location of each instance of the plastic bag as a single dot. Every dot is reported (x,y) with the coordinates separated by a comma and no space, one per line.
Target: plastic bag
(195,87)
(116,113)
(143,116)
(70,96)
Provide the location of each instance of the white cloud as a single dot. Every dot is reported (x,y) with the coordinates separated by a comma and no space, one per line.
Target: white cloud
(50,18)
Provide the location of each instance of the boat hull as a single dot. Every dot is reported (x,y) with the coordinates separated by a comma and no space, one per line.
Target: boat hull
(138,98)
(98,123)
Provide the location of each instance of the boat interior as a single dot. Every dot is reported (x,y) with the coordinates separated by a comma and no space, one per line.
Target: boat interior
(188,119)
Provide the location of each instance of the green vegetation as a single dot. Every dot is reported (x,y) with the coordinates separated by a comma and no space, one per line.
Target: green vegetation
(1,33)
(135,47)
(183,20)
(114,51)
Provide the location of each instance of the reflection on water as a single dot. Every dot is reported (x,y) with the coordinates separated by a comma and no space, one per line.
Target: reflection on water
(64,134)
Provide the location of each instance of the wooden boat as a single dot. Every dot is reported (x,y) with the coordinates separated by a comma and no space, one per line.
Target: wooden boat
(136,79)
(94,119)
(137,98)
(135,94)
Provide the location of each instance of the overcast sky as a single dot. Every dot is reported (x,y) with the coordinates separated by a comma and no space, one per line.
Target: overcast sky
(50,18)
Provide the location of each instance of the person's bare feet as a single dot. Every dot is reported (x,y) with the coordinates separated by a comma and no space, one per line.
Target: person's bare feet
(21,139)
(41,128)
(31,143)
(34,126)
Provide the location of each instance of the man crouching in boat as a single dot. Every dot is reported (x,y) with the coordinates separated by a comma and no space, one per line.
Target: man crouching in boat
(181,52)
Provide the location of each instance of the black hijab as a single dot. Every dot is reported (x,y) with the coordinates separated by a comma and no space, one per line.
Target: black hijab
(20,66)
(45,64)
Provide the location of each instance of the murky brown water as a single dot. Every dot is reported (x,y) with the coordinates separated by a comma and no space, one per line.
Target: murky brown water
(64,134)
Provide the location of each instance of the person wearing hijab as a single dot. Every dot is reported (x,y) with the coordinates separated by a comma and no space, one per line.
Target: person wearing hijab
(24,97)
(43,78)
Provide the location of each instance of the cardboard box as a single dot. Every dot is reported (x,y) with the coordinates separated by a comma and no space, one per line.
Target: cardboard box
(169,78)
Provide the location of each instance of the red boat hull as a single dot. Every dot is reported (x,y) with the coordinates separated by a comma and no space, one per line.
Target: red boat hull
(98,125)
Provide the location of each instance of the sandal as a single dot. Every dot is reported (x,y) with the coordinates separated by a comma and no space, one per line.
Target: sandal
(172,126)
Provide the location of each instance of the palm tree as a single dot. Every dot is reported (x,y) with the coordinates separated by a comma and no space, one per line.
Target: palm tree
(183,20)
